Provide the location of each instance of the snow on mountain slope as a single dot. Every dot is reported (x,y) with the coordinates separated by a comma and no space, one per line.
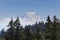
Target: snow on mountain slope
(28,19)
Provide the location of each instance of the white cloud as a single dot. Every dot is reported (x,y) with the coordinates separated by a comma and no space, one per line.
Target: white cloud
(29,18)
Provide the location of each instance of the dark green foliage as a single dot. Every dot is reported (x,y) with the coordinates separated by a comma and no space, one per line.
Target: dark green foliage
(10,32)
(28,34)
(18,30)
(55,23)
(48,27)
(38,31)
(50,31)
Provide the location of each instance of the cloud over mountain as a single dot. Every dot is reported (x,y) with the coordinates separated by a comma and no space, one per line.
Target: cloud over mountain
(28,19)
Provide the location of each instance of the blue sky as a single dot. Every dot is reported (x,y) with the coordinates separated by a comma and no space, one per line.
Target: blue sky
(27,10)
(43,8)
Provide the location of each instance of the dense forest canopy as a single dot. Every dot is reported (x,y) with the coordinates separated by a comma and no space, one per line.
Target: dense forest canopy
(50,30)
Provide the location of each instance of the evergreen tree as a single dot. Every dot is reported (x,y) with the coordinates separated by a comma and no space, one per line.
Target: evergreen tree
(54,31)
(2,33)
(10,32)
(48,28)
(18,30)
(42,31)
(28,33)
(38,35)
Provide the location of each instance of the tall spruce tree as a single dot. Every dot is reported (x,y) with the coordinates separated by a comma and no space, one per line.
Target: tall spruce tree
(48,28)
(10,32)
(54,31)
(18,30)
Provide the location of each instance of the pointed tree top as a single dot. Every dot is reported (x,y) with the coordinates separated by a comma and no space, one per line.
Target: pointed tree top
(36,23)
(11,22)
(55,16)
(48,19)
(55,19)
(17,17)
(11,18)
(48,16)
(17,22)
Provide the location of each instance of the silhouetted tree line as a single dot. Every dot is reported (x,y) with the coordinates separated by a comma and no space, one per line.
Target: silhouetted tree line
(49,30)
